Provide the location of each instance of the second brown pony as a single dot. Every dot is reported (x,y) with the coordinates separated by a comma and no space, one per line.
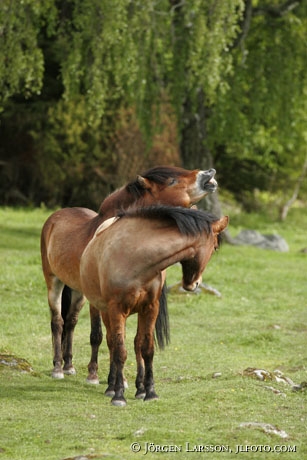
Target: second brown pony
(121,274)
(66,234)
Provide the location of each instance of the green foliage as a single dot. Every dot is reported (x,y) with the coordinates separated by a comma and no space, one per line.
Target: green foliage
(263,118)
(21,58)
(68,149)
(260,321)
(109,51)
(69,69)
(203,33)
(98,56)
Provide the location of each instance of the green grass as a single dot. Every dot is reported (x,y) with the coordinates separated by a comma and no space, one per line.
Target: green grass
(260,321)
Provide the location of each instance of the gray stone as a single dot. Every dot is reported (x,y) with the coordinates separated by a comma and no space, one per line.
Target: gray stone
(254,238)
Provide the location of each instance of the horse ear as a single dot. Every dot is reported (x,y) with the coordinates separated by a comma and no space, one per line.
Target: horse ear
(144,183)
(219,225)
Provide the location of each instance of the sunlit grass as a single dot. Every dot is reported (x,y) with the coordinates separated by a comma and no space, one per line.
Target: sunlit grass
(260,321)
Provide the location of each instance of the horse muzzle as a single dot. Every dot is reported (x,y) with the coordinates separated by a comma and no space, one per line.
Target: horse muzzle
(207,181)
(192,286)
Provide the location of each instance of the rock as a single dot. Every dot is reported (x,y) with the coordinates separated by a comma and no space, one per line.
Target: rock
(266,427)
(15,363)
(216,375)
(300,387)
(202,288)
(259,374)
(254,238)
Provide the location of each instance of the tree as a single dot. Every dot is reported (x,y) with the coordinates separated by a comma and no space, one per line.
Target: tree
(233,71)
(80,61)
(21,58)
(261,122)
(203,34)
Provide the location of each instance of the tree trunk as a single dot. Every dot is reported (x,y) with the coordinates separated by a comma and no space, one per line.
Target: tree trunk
(286,207)
(194,152)
(194,149)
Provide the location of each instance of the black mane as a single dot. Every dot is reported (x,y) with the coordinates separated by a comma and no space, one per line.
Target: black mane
(158,174)
(189,221)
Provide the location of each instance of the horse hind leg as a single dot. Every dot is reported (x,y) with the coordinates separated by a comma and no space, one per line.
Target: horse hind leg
(95,340)
(55,288)
(70,313)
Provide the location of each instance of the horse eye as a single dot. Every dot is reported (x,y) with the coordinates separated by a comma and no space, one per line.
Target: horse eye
(172,181)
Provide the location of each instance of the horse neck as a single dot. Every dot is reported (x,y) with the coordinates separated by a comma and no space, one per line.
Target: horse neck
(118,200)
(194,250)
(179,247)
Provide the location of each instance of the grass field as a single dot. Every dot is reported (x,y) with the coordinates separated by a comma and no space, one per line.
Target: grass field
(259,322)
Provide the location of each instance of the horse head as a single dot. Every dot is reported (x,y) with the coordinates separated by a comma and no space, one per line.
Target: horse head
(168,185)
(192,268)
(176,186)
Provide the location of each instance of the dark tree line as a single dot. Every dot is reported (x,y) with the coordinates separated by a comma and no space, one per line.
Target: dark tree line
(94,91)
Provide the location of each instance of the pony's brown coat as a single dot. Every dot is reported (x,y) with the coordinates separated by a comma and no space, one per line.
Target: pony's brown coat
(121,274)
(67,232)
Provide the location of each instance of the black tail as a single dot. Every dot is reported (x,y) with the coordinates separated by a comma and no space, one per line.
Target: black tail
(162,336)
(66,301)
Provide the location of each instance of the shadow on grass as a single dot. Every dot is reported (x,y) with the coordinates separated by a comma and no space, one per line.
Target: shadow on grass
(40,389)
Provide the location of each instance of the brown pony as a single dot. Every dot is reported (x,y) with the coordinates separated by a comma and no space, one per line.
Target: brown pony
(121,274)
(66,233)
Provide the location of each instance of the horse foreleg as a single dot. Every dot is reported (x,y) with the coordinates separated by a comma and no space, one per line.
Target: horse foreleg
(119,356)
(147,324)
(70,321)
(110,391)
(139,381)
(95,339)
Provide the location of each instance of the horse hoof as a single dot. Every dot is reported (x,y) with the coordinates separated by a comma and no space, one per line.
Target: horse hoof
(57,375)
(140,395)
(118,402)
(109,393)
(70,371)
(92,381)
